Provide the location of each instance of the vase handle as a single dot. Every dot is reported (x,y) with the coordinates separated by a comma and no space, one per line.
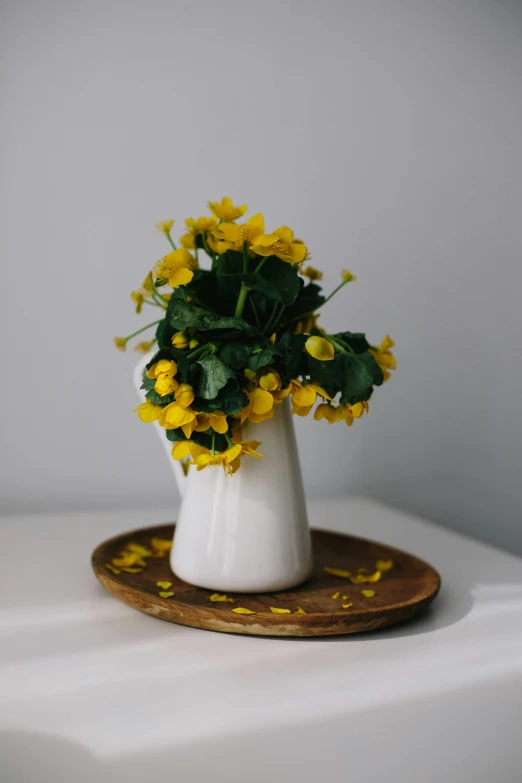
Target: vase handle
(176,467)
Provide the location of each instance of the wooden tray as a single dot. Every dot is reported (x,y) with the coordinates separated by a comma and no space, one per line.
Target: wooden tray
(324,605)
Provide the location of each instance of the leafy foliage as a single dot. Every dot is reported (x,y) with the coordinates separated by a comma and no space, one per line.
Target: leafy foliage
(247,327)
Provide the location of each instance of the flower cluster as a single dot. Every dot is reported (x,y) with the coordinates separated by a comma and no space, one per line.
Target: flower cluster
(239,336)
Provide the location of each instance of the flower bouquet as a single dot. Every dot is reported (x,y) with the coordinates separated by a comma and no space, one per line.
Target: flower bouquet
(239,334)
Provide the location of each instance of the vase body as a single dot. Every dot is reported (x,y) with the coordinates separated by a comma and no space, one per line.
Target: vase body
(247,532)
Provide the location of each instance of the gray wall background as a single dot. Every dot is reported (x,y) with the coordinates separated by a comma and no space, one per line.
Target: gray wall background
(386,133)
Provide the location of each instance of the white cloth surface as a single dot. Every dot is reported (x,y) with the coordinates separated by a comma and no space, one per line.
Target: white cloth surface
(91,690)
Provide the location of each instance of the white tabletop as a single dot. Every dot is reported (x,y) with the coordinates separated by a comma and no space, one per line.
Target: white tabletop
(93,691)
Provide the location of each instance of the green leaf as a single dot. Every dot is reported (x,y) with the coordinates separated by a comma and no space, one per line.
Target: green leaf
(176,434)
(356,377)
(283,277)
(230,400)
(185,315)
(356,340)
(158,399)
(148,383)
(235,354)
(260,359)
(213,377)
(309,299)
(293,355)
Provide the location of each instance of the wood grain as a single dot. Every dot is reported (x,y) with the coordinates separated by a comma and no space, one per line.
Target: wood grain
(404,591)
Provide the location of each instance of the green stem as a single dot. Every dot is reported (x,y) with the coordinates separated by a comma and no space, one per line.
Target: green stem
(260,265)
(341,285)
(201,349)
(254,310)
(245,258)
(206,248)
(171,242)
(152,302)
(270,318)
(154,323)
(213,449)
(241,300)
(229,439)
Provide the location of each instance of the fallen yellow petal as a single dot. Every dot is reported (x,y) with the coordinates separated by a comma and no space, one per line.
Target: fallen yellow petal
(299,611)
(277,610)
(111,568)
(384,565)
(346,597)
(336,595)
(161,544)
(167,594)
(363,576)
(124,561)
(242,610)
(337,572)
(164,585)
(218,597)
(347,606)
(132,570)
(368,593)
(138,549)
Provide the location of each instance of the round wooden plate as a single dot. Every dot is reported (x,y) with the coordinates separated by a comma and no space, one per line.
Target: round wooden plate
(326,604)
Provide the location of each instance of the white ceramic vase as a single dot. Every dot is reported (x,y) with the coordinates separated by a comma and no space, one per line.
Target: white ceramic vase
(247,532)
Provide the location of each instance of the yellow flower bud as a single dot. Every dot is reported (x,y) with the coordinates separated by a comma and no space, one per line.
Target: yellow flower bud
(180,340)
(311,273)
(184,395)
(320,348)
(148,283)
(193,343)
(120,343)
(250,374)
(165,226)
(138,297)
(270,381)
(165,384)
(347,276)
(145,346)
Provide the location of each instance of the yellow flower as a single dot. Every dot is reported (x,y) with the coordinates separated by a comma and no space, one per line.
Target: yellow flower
(145,346)
(165,226)
(358,408)
(230,236)
(346,413)
(312,274)
(176,267)
(384,357)
(188,241)
(174,415)
(320,348)
(184,395)
(347,276)
(165,384)
(164,372)
(216,420)
(148,283)
(180,340)
(260,407)
(187,448)
(148,412)
(229,459)
(304,396)
(120,343)
(306,324)
(270,381)
(281,244)
(250,374)
(138,297)
(226,210)
(225,459)
(328,412)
